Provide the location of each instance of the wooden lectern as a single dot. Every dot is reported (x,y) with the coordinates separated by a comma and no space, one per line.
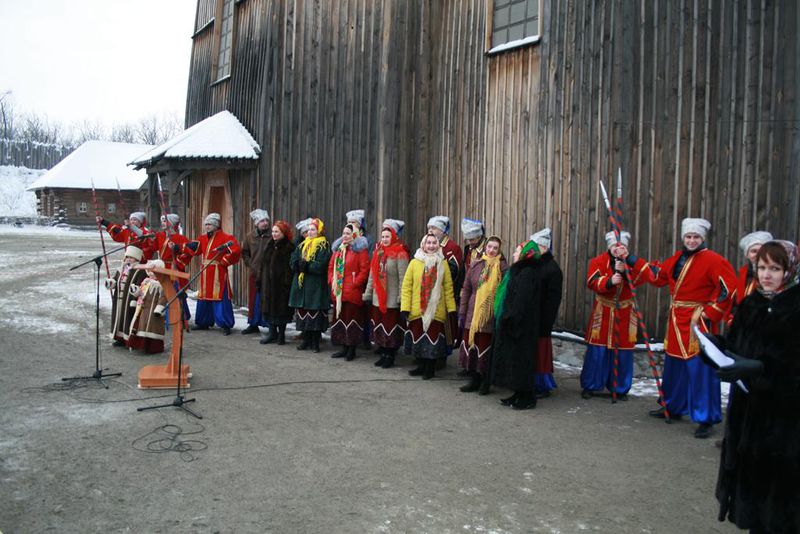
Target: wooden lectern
(166,376)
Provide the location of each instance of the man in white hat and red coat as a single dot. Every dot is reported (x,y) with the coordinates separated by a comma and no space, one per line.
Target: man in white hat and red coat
(702,285)
(134,232)
(253,249)
(219,250)
(612,323)
(169,241)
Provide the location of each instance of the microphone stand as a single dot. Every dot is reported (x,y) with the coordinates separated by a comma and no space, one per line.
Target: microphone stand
(98,373)
(179,401)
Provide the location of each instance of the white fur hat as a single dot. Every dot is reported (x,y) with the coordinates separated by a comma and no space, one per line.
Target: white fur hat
(213,219)
(472,228)
(441,222)
(695,226)
(302,226)
(754,238)
(395,224)
(134,252)
(355,216)
(173,218)
(138,215)
(543,237)
(259,215)
(611,238)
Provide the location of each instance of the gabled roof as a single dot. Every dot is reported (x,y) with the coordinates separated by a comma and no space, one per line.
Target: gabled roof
(220,136)
(103,162)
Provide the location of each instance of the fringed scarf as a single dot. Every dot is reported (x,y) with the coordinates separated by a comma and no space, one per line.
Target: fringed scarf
(338,276)
(309,250)
(488,282)
(431,286)
(529,250)
(377,266)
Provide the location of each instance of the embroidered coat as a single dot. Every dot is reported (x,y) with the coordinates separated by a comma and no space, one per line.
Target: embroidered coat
(126,236)
(705,284)
(164,246)
(214,279)
(410,300)
(123,302)
(600,329)
(356,272)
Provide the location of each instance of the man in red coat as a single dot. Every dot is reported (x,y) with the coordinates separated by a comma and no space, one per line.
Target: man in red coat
(703,288)
(219,251)
(133,232)
(612,324)
(168,244)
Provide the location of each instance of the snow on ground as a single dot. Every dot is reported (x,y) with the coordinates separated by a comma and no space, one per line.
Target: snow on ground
(15,201)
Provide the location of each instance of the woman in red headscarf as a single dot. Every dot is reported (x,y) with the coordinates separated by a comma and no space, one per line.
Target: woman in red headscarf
(386,272)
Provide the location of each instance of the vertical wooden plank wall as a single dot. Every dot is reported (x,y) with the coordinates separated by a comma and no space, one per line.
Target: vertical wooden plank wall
(393,106)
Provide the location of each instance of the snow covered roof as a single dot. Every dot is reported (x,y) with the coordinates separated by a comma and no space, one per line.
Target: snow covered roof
(220,136)
(103,162)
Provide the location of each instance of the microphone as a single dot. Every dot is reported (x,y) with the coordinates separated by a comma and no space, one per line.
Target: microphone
(223,246)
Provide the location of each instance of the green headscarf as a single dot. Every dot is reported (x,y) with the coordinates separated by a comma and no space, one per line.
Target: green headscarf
(529,250)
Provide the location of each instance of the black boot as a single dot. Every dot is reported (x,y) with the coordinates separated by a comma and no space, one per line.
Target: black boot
(508,401)
(473,385)
(351,353)
(281,335)
(389,361)
(485,385)
(419,369)
(251,329)
(703,431)
(315,341)
(382,359)
(272,337)
(430,369)
(306,343)
(340,353)
(526,400)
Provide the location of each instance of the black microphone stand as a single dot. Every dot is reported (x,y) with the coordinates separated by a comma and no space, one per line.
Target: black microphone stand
(98,373)
(179,401)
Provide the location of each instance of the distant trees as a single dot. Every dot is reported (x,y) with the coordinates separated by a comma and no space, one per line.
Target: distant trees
(36,127)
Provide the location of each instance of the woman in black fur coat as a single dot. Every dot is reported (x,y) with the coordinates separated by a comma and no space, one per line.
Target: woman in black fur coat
(526,305)
(759,477)
(276,282)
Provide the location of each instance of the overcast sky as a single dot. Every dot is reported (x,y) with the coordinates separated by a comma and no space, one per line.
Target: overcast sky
(106,60)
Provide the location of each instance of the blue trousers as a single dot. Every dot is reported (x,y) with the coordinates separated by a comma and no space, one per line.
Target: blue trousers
(692,387)
(257,318)
(598,370)
(545,382)
(220,312)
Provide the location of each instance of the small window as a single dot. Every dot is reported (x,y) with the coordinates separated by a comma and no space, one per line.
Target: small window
(111,207)
(83,207)
(514,23)
(225,40)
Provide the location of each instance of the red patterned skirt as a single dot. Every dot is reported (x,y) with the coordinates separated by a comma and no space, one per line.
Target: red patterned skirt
(430,345)
(476,357)
(388,328)
(348,328)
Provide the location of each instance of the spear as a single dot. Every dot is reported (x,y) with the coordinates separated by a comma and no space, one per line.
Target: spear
(637,310)
(99,228)
(121,202)
(615,333)
(164,210)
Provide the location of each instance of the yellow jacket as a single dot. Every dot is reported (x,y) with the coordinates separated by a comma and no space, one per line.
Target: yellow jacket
(412,283)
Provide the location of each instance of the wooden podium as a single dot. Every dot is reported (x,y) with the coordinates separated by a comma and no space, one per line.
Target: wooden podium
(166,376)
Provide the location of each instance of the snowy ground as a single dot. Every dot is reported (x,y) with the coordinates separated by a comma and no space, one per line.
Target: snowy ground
(296,442)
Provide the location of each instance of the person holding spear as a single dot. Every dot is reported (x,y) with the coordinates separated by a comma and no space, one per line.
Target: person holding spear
(612,325)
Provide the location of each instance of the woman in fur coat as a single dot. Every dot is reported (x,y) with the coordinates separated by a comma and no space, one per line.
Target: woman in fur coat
(758,487)
(348,271)
(276,283)
(387,269)
(526,305)
(427,303)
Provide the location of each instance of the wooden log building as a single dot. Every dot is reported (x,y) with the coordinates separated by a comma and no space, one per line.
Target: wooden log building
(509,111)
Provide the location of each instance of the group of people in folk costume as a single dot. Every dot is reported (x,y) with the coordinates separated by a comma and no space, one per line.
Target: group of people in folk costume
(500,317)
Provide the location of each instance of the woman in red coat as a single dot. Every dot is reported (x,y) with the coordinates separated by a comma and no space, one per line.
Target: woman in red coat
(348,272)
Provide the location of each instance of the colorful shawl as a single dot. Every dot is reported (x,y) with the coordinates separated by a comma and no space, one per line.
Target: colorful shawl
(484,298)
(309,249)
(338,276)
(431,286)
(377,266)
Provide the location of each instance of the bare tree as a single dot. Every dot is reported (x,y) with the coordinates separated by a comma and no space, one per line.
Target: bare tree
(124,133)
(8,116)
(37,128)
(88,130)
(154,130)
